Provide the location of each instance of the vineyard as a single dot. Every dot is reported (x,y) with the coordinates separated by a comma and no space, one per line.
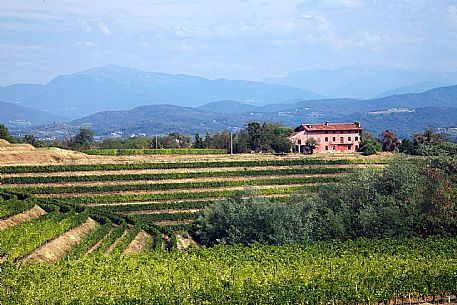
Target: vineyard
(113,223)
(170,194)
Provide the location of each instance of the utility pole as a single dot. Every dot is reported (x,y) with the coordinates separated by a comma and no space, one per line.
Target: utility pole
(156,141)
(231,143)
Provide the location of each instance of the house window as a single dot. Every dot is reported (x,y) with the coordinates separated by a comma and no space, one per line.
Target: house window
(326,147)
(326,139)
(356,147)
(349,138)
(334,147)
(341,139)
(334,139)
(356,138)
(299,141)
(350,147)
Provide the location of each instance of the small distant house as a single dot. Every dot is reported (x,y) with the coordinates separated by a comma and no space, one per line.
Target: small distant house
(328,137)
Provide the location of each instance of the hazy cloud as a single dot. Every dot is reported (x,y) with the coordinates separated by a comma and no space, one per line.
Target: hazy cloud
(250,39)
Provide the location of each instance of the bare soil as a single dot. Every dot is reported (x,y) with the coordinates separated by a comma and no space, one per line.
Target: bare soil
(183,170)
(140,243)
(164,211)
(185,242)
(33,213)
(170,201)
(167,181)
(193,190)
(173,222)
(55,249)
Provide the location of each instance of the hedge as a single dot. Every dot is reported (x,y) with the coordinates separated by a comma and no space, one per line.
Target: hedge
(159,151)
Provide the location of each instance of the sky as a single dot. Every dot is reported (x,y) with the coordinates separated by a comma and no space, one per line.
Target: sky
(247,39)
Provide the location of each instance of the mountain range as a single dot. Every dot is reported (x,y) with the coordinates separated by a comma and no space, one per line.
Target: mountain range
(365,83)
(113,99)
(118,88)
(405,114)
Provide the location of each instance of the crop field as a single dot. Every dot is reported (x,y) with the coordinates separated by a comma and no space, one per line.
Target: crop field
(160,197)
(106,229)
(173,190)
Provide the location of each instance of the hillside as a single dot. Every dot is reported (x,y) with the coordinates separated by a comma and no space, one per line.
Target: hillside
(435,108)
(118,88)
(15,116)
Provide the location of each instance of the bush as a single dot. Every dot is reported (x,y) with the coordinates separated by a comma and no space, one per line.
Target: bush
(236,220)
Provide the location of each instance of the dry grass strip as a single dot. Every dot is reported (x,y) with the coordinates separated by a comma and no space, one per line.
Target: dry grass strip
(55,249)
(140,243)
(14,220)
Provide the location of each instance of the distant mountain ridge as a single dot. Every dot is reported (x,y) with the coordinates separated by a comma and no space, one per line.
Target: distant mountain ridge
(118,88)
(356,82)
(16,116)
(434,108)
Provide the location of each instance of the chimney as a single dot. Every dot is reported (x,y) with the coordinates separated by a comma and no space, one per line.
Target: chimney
(326,123)
(357,124)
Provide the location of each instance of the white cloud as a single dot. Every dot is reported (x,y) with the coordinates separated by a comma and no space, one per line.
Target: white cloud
(104,28)
(452,14)
(86,43)
(85,26)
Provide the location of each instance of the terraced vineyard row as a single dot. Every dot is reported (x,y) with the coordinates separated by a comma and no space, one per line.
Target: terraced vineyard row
(177,196)
(65,230)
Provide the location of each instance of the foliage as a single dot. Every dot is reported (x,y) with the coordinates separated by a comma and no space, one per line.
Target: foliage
(389,141)
(198,142)
(82,140)
(370,145)
(407,197)
(172,175)
(173,186)
(237,220)
(172,165)
(355,272)
(5,135)
(159,151)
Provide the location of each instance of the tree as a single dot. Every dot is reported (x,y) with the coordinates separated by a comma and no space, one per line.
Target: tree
(370,145)
(281,145)
(198,142)
(389,141)
(30,139)
(238,219)
(311,145)
(5,134)
(254,133)
(82,139)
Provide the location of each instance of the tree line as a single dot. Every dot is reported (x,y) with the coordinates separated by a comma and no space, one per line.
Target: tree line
(410,197)
(254,137)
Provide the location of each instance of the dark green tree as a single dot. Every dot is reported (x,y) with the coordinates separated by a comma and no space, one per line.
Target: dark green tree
(5,134)
(198,142)
(30,139)
(82,140)
(370,145)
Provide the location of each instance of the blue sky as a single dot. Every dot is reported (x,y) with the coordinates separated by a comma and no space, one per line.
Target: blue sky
(233,39)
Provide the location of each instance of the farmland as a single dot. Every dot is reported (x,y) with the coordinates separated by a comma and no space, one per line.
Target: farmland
(111,230)
(176,186)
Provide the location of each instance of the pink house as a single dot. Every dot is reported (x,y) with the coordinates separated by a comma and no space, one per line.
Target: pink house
(330,137)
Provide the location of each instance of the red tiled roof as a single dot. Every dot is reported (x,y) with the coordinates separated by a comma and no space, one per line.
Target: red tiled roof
(319,127)
(293,134)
